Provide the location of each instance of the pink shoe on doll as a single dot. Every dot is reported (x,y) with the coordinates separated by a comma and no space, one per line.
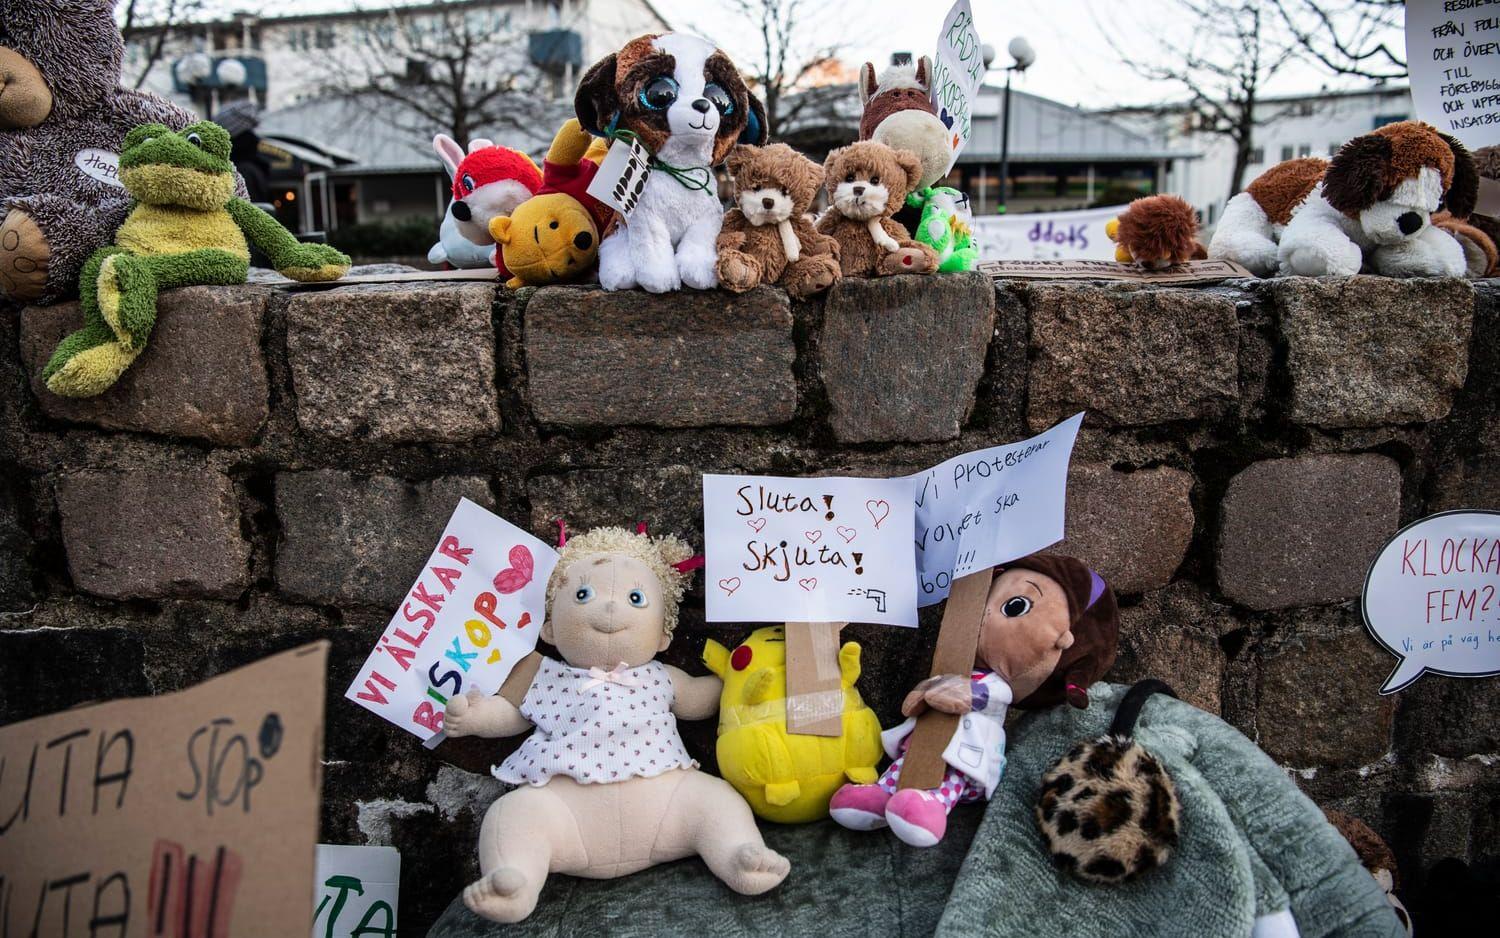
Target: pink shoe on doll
(859,807)
(916,817)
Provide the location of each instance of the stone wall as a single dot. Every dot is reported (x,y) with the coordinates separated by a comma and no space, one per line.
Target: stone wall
(277,466)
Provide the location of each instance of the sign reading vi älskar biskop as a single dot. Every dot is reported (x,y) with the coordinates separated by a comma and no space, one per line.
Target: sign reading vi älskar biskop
(808,550)
(475,610)
(187,814)
(957,73)
(1432,597)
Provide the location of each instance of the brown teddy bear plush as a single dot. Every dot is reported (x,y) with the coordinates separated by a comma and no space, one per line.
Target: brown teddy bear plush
(867,183)
(767,237)
(62,118)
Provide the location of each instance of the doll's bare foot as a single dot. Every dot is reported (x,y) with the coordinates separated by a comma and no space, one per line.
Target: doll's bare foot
(24,254)
(756,869)
(502,896)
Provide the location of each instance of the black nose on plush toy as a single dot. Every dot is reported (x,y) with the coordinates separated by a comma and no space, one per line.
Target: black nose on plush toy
(1409,222)
(582,240)
(702,105)
(461,211)
(768,203)
(859,190)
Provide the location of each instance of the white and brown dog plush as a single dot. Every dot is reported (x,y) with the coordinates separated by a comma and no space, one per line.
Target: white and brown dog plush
(1372,207)
(687,104)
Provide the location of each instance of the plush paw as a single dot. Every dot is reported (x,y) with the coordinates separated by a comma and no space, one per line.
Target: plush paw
(738,271)
(811,275)
(1328,259)
(90,372)
(917,259)
(615,270)
(314,263)
(503,896)
(660,276)
(758,869)
(697,265)
(24,255)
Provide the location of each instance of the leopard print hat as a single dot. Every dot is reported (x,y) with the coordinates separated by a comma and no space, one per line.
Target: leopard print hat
(1108,809)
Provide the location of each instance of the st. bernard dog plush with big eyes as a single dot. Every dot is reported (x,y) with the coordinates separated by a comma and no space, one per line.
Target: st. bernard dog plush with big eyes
(686,103)
(1372,208)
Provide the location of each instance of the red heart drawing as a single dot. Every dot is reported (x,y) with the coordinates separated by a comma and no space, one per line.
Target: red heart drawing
(514,578)
(814,536)
(847,533)
(729,585)
(756,524)
(879,510)
(809,584)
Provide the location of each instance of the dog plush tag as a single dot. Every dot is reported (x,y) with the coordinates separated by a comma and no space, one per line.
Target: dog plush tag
(622,176)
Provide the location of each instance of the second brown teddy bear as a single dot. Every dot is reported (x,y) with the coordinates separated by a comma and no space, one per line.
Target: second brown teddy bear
(767,237)
(867,183)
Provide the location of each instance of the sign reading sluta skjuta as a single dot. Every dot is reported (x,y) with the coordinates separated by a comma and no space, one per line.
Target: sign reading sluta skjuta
(192,813)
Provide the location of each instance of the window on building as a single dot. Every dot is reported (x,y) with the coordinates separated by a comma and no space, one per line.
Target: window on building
(1257,156)
(1333,148)
(1286,153)
(1305,109)
(325,37)
(1305,150)
(1382,119)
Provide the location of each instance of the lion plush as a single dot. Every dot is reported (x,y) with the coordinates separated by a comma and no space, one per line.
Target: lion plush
(867,183)
(767,237)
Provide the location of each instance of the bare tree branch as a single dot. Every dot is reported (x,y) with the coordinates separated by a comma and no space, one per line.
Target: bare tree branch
(155,21)
(1349,37)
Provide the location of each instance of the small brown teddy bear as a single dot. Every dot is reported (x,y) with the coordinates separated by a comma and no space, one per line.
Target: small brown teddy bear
(867,183)
(767,237)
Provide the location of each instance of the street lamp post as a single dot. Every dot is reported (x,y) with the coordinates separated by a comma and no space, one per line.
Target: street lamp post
(1023,55)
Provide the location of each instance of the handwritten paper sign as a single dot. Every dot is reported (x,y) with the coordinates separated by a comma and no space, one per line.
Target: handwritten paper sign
(193,813)
(357,890)
(958,71)
(1453,51)
(475,611)
(990,506)
(808,550)
(1046,236)
(1432,597)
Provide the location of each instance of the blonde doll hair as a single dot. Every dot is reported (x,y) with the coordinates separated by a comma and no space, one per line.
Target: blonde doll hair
(661,554)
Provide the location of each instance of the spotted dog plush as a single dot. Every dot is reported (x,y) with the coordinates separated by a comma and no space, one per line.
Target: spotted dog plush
(1107,809)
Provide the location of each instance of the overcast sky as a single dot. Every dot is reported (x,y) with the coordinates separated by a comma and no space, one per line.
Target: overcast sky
(1075,63)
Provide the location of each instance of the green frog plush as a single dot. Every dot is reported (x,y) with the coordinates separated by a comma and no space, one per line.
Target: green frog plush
(185,227)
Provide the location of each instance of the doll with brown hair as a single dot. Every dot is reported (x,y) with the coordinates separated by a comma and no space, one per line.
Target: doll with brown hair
(1050,630)
(606,787)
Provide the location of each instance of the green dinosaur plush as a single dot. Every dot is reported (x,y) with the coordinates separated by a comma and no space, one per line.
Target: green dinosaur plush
(185,227)
(943,229)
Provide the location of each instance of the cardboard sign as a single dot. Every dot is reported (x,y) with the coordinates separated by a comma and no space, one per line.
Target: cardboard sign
(1453,53)
(483,275)
(808,550)
(958,70)
(1432,597)
(474,612)
(814,687)
(622,176)
(989,506)
(1046,236)
(193,813)
(1191,272)
(357,891)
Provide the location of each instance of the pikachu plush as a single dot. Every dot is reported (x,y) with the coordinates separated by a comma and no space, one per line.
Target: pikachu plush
(787,778)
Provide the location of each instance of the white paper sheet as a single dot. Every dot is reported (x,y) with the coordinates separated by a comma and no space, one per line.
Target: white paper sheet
(356,890)
(1453,51)
(958,70)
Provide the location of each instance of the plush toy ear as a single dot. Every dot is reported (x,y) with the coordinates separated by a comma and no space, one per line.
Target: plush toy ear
(1463,192)
(480,143)
(1356,178)
(735,161)
(924,72)
(829,179)
(596,103)
(448,150)
(867,83)
(500,229)
(913,167)
(755,133)
(716,656)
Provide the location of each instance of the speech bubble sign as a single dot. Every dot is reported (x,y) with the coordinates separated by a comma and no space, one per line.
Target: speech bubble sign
(1432,597)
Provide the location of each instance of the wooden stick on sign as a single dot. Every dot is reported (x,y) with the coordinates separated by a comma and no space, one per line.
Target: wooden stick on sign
(958,637)
(814,692)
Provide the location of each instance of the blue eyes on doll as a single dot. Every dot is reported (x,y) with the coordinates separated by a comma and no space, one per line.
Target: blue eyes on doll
(659,93)
(583,594)
(638,599)
(1015,607)
(721,99)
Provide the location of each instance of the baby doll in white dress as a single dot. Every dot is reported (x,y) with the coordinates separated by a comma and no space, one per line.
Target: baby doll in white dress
(606,786)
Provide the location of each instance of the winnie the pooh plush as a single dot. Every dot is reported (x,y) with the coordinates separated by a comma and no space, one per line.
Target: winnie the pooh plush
(605,786)
(187,227)
(62,118)
(767,237)
(787,778)
(867,182)
(553,237)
